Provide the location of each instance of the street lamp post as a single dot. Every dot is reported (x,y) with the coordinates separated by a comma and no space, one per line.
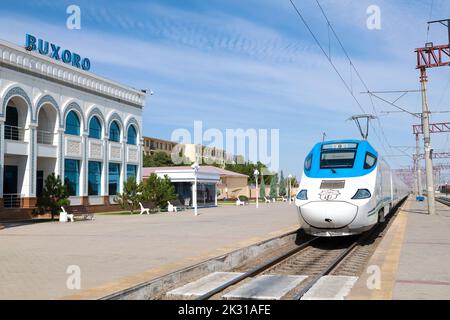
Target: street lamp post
(289,187)
(256,173)
(195,166)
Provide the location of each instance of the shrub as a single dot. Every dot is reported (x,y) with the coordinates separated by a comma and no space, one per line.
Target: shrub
(54,195)
(131,196)
(243,198)
(158,190)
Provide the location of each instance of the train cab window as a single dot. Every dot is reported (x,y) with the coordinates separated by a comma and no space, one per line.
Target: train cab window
(308,162)
(338,155)
(370,161)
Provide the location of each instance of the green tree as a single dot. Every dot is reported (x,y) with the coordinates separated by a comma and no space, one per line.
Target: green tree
(162,159)
(159,159)
(273,187)
(54,195)
(282,188)
(158,190)
(131,195)
(262,188)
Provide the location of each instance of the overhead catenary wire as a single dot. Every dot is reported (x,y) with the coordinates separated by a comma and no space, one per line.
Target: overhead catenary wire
(326,55)
(352,66)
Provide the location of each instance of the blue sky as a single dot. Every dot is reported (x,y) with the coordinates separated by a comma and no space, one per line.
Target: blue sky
(252,64)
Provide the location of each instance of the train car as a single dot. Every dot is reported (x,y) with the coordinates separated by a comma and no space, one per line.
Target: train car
(346,188)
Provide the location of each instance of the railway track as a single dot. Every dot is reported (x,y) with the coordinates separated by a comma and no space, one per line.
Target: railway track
(315,258)
(443,200)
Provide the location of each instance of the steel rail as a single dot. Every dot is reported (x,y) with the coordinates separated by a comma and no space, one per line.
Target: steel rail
(347,251)
(258,269)
(442,200)
(326,271)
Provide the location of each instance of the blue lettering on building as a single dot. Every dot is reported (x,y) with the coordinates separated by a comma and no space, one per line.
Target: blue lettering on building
(54,51)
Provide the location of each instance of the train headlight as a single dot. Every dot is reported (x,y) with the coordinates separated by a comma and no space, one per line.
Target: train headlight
(362,194)
(302,195)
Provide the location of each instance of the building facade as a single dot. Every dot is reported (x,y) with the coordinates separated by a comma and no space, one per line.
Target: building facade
(205,154)
(155,145)
(57,118)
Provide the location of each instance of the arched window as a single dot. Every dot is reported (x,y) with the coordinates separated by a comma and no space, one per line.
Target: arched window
(131,135)
(95,128)
(72,124)
(114,132)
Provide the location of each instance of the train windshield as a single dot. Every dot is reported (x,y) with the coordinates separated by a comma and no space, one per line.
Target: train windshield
(338,155)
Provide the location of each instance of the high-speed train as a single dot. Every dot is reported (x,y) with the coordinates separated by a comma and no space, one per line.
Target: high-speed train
(346,188)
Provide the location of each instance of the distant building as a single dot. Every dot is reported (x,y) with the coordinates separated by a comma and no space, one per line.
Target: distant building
(206,155)
(189,152)
(155,145)
(210,180)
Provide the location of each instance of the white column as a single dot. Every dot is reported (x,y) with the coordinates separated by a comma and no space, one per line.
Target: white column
(59,170)
(29,178)
(2,155)
(104,188)
(123,167)
(84,166)
(140,161)
(215,194)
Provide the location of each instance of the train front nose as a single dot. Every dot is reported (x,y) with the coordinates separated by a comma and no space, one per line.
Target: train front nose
(328,214)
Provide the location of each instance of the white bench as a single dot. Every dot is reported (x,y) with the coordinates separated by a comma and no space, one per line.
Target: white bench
(239,202)
(266,200)
(64,216)
(144,210)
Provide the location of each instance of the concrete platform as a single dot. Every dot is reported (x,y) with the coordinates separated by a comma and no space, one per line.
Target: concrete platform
(331,288)
(115,252)
(203,285)
(413,259)
(265,287)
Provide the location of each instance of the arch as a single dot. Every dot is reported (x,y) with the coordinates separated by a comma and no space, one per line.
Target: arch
(17,92)
(96,112)
(135,123)
(73,106)
(117,130)
(117,118)
(95,127)
(75,123)
(50,100)
(132,135)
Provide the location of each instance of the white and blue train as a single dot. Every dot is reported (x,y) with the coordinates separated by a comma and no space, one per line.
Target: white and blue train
(346,188)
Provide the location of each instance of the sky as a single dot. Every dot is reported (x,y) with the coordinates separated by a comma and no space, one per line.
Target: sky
(253,65)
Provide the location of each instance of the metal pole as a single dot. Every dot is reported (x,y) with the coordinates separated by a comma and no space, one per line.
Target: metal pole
(257,193)
(418,170)
(289,188)
(195,192)
(427,143)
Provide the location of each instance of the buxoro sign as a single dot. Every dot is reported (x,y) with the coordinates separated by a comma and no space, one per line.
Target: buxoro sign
(55,52)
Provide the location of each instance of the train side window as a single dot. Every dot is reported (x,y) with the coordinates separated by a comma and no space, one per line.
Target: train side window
(370,161)
(308,162)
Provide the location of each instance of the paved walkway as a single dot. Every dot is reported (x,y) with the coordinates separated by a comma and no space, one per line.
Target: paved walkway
(413,257)
(34,258)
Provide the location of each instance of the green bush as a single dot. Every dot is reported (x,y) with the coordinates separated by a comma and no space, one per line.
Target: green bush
(54,195)
(243,198)
(158,190)
(131,196)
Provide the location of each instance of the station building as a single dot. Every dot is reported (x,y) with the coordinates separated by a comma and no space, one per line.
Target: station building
(58,117)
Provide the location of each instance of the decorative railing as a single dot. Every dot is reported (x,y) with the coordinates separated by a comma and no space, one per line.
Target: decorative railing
(14,133)
(12,200)
(45,137)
